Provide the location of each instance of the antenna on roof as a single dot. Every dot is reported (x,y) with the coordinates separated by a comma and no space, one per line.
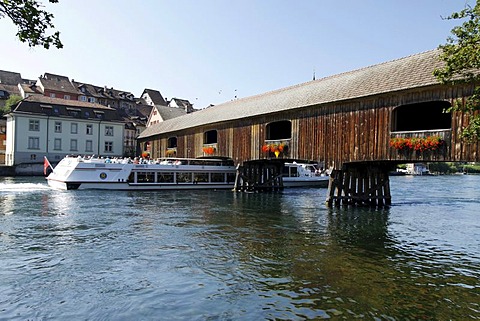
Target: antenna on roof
(313,74)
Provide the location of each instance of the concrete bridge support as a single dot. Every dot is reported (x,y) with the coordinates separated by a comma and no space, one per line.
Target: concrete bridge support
(360,184)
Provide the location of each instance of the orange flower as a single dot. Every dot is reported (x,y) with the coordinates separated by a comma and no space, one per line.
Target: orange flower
(209,150)
(418,144)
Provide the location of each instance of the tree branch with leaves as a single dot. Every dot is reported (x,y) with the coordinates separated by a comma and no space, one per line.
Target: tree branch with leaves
(32,22)
(461,55)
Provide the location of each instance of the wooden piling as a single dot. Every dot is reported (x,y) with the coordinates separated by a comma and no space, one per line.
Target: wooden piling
(360,184)
(259,176)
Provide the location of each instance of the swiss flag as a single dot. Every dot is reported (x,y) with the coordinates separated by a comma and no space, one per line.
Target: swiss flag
(46,165)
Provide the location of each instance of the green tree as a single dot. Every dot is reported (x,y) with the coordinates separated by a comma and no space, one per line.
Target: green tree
(11,102)
(461,55)
(32,22)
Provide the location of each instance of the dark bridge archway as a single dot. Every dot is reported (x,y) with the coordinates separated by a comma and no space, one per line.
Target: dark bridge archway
(422,116)
(279,130)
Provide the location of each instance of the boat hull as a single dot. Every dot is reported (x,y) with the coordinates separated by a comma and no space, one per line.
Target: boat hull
(299,182)
(122,186)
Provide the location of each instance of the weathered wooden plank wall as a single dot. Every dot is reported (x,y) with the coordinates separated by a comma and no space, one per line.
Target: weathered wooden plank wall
(348,131)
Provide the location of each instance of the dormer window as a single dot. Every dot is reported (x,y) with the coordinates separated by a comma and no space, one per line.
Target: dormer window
(74,112)
(99,114)
(46,108)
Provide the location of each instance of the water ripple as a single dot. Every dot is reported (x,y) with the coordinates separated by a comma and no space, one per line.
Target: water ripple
(217,255)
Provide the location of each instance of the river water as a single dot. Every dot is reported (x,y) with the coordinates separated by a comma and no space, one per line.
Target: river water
(219,255)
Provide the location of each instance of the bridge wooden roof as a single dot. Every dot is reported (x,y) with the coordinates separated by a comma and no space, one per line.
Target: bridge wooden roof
(401,74)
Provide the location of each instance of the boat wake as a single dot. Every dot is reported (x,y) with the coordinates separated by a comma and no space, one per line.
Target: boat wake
(22,187)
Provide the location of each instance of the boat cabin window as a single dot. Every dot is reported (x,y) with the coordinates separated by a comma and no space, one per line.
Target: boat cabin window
(218,177)
(145,177)
(165,177)
(184,177)
(290,171)
(200,177)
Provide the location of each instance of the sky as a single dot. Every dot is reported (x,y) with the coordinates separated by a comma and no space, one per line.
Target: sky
(214,51)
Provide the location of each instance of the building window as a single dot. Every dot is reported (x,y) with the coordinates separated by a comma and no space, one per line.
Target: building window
(108,147)
(73,145)
(74,128)
(52,95)
(57,144)
(67,97)
(58,127)
(89,130)
(89,146)
(91,99)
(33,143)
(108,130)
(34,125)
(83,98)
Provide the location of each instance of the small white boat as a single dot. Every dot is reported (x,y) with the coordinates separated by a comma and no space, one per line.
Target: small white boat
(123,174)
(304,175)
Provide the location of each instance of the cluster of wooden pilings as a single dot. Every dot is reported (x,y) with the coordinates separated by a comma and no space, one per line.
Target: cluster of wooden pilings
(360,184)
(259,176)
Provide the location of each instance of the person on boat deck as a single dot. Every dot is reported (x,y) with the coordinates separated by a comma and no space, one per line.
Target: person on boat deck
(135,160)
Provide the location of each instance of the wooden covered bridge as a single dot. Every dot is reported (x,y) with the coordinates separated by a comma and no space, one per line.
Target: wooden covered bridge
(359,123)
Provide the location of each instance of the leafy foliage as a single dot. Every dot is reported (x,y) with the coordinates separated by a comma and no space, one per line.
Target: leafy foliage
(32,22)
(461,55)
(11,102)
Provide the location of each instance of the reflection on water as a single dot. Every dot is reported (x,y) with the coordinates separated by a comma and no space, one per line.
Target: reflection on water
(215,255)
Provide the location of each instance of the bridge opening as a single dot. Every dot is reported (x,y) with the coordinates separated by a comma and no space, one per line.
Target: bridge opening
(210,137)
(430,115)
(172,142)
(279,130)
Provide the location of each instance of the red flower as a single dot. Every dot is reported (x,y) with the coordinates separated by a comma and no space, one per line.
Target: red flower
(209,150)
(418,144)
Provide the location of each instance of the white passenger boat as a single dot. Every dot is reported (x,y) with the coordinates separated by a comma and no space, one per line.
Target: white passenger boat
(122,174)
(304,175)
